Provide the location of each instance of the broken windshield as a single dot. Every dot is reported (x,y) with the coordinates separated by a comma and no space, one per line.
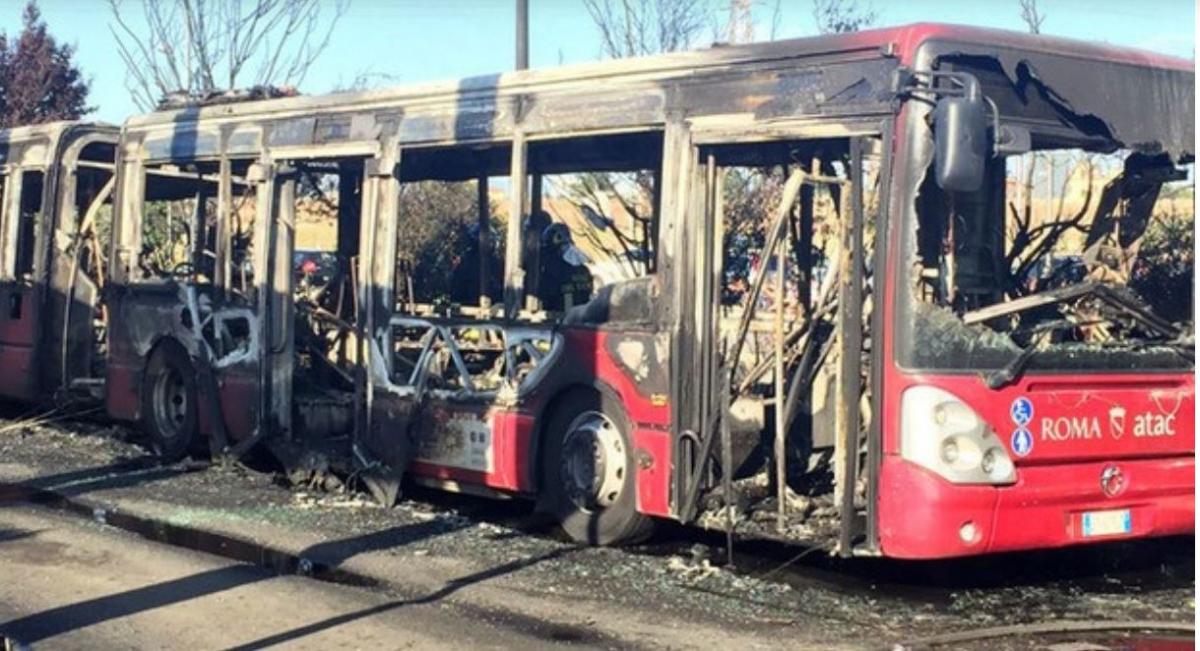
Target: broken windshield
(1083,259)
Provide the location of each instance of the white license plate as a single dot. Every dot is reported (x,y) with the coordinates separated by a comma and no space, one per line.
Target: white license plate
(1107,523)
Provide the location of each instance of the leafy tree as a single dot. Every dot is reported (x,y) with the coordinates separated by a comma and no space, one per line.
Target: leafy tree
(1166,265)
(437,243)
(39,81)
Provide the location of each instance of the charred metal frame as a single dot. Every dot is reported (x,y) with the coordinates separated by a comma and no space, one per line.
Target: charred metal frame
(827,87)
(695,446)
(43,299)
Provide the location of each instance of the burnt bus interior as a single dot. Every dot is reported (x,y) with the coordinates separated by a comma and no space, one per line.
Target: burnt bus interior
(325,292)
(1076,252)
(591,203)
(208,234)
(452,247)
(90,184)
(476,300)
(781,213)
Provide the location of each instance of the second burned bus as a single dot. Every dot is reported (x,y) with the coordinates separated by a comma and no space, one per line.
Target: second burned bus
(903,292)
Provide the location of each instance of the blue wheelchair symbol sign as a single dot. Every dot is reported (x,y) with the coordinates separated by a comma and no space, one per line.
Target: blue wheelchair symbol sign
(1022,441)
(1022,411)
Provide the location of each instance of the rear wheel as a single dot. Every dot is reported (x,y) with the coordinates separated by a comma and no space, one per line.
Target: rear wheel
(169,404)
(588,470)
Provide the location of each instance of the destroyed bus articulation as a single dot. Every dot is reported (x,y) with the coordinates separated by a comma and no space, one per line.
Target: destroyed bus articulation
(915,292)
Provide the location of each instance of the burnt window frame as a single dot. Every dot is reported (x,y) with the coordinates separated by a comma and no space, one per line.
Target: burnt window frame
(138,202)
(981,357)
(6,198)
(24,244)
(450,162)
(524,153)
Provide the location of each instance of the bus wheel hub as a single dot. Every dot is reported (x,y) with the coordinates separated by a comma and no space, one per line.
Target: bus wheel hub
(593,461)
(170,403)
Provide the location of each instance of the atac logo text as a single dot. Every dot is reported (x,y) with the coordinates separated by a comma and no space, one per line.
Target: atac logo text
(1153,425)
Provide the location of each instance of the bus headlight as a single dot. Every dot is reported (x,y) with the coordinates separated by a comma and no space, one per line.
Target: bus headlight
(940,432)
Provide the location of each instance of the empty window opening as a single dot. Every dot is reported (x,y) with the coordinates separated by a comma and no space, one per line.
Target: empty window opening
(242,243)
(750,183)
(593,218)
(179,212)
(1081,253)
(92,229)
(29,215)
(93,208)
(451,224)
(778,211)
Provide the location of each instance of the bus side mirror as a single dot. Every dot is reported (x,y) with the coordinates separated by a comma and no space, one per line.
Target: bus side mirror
(961,141)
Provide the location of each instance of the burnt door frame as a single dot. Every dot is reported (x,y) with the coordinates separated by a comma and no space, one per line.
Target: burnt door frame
(21,294)
(695,363)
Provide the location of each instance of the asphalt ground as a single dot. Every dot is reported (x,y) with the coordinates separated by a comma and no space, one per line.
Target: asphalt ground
(500,562)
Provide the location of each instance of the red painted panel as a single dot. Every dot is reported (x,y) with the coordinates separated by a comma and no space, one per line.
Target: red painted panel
(18,336)
(19,332)
(18,378)
(512,433)
(588,349)
(922,514)
(121,390)
(239,406)
(1076,417)
(651,422)
(652,454)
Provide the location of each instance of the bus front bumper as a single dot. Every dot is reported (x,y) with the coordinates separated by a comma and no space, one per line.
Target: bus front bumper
(922,515)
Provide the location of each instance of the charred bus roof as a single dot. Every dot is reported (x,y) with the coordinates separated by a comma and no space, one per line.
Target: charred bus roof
(37,145)
(845,77)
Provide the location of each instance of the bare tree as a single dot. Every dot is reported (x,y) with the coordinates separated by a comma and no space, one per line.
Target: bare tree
(739,27)
(1032,16)
(776,18)
(629,29)
(840,16)
(198,47)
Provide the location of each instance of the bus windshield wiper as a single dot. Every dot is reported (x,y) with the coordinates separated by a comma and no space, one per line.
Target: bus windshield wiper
(1005,375)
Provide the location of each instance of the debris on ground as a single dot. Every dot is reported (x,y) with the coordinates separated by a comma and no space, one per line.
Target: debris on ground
(816,599)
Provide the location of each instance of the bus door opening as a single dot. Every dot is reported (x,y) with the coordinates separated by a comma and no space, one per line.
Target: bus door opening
(322,262)
(780,214)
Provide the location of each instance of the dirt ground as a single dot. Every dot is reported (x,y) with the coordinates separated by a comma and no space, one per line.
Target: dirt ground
(498,560)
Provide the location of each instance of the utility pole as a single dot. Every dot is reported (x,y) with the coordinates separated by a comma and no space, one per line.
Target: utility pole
(522,34)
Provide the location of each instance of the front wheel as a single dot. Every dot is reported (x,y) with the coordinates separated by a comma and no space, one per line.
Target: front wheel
(169,404)
(588,470)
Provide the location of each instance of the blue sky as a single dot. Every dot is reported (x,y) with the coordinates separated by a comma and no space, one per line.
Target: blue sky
(421,40)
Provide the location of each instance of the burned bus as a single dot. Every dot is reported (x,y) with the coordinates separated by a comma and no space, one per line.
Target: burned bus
(909,292)
(56,184)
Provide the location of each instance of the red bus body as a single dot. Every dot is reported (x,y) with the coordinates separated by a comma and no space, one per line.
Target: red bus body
(1103,441)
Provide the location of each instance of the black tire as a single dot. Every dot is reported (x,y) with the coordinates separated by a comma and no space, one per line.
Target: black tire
(168,404)
(617,522)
